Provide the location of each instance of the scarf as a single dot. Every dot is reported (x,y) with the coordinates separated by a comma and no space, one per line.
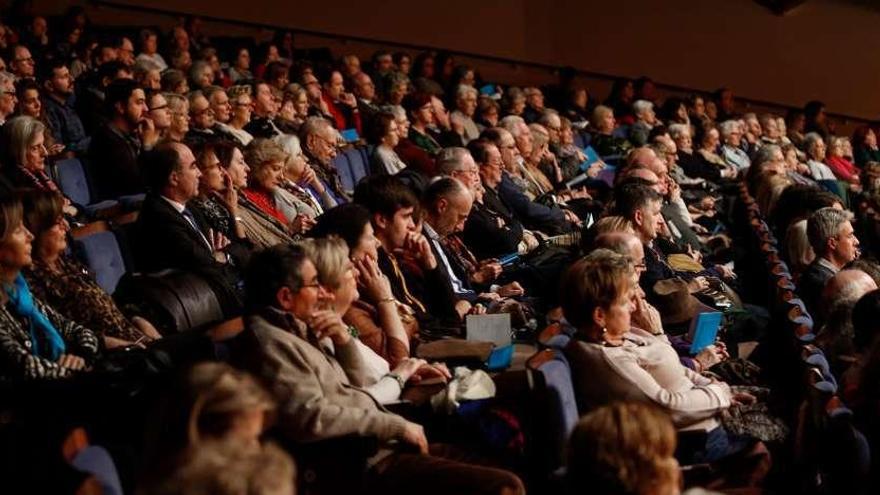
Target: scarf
(23,305)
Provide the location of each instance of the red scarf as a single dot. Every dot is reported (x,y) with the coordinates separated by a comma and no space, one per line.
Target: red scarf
(265,202)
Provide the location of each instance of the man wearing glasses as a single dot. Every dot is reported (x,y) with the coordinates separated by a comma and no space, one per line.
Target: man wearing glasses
(8,101)
(22,63)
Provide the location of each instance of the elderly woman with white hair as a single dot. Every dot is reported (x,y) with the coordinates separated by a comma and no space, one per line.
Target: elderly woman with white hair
(465,106)
(604,141)
(843,168)
(646,119)
(294,195)
(731,148)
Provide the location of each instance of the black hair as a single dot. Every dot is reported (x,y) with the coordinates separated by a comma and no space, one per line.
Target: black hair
(157,164)
(345,221)
(479,149)
(377,127)
(866,320)
(118,91)
(631,197)
(384,194)
(268,271)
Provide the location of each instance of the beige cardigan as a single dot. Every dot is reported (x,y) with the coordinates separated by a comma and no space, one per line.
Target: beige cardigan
(645,368)
(319,394)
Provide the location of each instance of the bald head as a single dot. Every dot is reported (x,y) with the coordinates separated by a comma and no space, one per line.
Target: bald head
(623,243)
(848,284)
(640,157)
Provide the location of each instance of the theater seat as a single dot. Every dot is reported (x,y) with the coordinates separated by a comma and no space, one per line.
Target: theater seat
(100,251)
(357,163)
(343,167)
(72,180)
(174,301)
(556,407)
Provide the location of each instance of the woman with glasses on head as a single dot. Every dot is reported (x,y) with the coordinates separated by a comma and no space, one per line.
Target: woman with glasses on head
(36,342)
(242,108)
(62,282)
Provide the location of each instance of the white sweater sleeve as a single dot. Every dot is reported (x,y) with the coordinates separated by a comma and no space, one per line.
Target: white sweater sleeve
(686,406)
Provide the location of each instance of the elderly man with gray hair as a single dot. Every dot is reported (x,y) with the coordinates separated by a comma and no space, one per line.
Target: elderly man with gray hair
(646,119)
(465,106)
(731,148)
(833,239)
(8,101)
(318,139)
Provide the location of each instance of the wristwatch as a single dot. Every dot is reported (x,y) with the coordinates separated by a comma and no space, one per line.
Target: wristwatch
(398,378)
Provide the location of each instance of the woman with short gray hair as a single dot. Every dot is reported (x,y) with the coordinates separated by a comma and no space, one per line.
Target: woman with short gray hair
(465,107)
(731,149)
(814,145)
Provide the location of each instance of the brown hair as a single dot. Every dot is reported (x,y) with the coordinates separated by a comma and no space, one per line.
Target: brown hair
(41,211)
(622,449)
(219,392)
(10,216)
(594,281)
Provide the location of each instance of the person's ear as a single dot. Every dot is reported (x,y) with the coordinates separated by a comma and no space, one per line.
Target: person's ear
(442,205)
(120,107)
(379,221)
(832,243)
(638,217)
(599,316)
(285,298)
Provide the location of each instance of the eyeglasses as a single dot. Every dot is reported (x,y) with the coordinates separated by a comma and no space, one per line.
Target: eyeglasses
(29,60)
(160,107)
(205,111)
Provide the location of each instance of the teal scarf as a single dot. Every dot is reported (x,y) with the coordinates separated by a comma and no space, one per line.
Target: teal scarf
(22,303)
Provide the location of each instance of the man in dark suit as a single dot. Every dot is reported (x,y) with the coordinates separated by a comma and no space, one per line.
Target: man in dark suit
(833,240)
(170,236)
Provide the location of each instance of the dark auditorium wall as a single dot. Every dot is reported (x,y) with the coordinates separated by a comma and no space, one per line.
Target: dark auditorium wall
(825,48)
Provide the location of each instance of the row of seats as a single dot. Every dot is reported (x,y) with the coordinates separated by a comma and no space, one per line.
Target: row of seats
(830,454)
(72,177)
(353,164)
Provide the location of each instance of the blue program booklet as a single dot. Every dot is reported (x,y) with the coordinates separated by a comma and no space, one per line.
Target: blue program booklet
(350,135)
(704,330)
(592,158)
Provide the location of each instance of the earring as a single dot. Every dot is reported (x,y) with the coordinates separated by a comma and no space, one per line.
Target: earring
(604,330)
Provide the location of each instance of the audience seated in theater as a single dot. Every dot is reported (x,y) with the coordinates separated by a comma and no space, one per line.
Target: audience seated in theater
(385,325)
(487,113)
(8,99)
(178,105)
(864,142)
(550,220)
(604,141)
(63,283)
(319,145)
(158,115)
(395,87)
(204,127)
(835,243)
(242,107)
(339,277)
(60,115)
(212,421)
(117,143)
(341,105)
(265,109)
(731,145)
(534,104)
(240,69)
(609,363)
(420,109)
(708,150)
(365,91)
(465,106)
(840,295)
(149,55)
(844,169)
(492,230)
(320,392)
(393,208)
(171,236)
(646,119)
(383,132)
(218,199)
(36,342)
(624,447)
(814,147)
(149,79)
(295,196)
(266,160)
(444,130)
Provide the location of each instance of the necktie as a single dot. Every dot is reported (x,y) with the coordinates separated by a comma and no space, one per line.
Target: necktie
(191,220)
(410,299)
